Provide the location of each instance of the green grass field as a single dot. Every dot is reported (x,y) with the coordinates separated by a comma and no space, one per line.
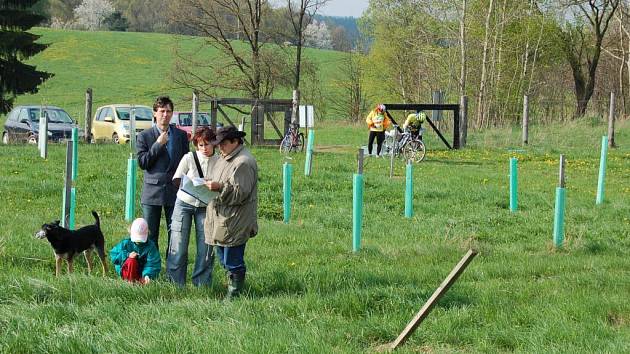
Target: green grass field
(308,292)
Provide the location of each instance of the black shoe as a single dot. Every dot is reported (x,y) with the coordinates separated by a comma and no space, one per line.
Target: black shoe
(236,282)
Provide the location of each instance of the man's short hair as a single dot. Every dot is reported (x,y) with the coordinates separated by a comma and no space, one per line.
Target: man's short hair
(163,101)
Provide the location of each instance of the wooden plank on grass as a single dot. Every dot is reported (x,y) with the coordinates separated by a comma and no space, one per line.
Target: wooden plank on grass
(428,306)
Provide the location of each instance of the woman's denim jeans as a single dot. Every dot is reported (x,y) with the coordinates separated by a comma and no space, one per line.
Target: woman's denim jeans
(177,261)
(232,258)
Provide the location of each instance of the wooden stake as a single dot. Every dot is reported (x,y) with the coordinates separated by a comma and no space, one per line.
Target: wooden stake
(611,122)
(132,130)
(428,306)
(561,179)
(463,116)
(525,120)
(88,115)
(195,109)
(360,162)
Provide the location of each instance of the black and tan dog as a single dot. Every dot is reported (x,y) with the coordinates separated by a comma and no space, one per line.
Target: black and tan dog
(67,243)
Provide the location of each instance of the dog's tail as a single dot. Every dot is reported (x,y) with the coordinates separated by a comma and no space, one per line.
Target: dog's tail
(98,220)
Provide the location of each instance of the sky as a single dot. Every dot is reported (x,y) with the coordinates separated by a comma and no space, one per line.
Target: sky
(352,8)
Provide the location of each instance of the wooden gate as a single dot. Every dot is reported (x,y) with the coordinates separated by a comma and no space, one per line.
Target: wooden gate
(260,111)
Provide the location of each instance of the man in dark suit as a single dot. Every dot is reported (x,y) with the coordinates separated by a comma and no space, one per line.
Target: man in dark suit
(160,148)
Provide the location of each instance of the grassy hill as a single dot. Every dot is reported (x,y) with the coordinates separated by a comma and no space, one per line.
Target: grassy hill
(124,67)
(307,292)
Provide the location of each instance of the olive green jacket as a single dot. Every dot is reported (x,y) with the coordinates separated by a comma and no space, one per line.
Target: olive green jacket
(231,217)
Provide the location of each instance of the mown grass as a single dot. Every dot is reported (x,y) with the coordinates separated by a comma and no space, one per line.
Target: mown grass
(307,292)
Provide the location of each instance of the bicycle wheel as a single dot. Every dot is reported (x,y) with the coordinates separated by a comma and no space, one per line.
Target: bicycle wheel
(388,145)
(400,145)
(285,145)
(299,143)
(414,150)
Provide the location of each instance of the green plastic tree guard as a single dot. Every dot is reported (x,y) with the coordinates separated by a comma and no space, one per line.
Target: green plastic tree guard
(602,171)
(357,211)
(409,191)
(73,208)
(308,163)
(130,195)
(513,184)
(287,171)
(75,154)
(558,220)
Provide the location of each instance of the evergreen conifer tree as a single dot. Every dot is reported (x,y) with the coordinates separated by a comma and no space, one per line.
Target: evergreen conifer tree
(16,45)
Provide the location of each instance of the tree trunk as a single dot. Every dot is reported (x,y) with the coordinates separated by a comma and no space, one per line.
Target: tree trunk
(500,113)
(625,60)
(482,82)
(256,49)
(462,51)
(299,29)
(599,15)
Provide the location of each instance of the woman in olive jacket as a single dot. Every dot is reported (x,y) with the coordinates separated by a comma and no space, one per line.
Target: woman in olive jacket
(231,218)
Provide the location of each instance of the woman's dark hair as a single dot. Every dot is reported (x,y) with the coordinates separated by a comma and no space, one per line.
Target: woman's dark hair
(204,134)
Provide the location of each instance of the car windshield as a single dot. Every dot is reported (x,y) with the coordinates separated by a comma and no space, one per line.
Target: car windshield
(142,113)
(54,115)
(202,119)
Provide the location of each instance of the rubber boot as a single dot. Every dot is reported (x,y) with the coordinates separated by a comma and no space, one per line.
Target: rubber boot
(235,284)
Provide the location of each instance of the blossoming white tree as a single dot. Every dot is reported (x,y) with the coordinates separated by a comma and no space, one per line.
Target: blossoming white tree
(317,35)
(90,14)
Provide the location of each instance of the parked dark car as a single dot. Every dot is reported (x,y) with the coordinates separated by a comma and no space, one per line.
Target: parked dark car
(22,124)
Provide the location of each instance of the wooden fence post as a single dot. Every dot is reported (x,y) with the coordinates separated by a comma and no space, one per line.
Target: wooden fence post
(88,115)
(463,116)
(611,122)
(525,120)
(132,129)
(195,109)
(43,137)
(360,158)
(295,102)
(213,113)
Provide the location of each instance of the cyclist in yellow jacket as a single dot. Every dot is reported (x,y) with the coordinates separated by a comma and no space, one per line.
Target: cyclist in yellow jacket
(413,123)
(378,120)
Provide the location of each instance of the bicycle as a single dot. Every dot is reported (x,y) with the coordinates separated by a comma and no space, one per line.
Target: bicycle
(407,144)
(293,140)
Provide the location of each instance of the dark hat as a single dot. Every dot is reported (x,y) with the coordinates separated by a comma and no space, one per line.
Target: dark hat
(228,132)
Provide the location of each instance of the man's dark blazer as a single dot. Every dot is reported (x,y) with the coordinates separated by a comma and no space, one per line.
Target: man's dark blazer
(158,187)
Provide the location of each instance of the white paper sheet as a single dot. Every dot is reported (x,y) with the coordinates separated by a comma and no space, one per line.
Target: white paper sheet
(196,188)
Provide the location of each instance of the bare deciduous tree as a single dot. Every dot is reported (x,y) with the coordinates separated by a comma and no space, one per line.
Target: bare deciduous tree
(481,104)
(301,13)
(351,101)
(582,45)
(621,51)
(462,50)
(241,65)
